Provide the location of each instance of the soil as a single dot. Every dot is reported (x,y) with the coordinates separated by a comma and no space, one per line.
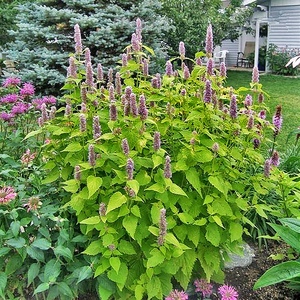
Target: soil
(243,279)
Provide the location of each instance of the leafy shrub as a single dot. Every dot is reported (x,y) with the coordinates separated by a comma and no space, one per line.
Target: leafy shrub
(159,170)
(279,57)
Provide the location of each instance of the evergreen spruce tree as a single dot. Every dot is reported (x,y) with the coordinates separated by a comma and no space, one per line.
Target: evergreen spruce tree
(44,38)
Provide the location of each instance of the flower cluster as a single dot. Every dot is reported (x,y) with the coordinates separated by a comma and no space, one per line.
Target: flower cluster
(7,194)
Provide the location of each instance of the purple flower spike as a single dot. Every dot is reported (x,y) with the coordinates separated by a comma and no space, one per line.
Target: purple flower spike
(89,75)
(143,111)
(124,60)
(223,70)
(207,96)
(135,42)
(82,122)
(277,120)
(77,173)
(77,39)
(199,61)
(138,29)
(133,106)
(167,168)
(261,98)
(250,123)
(255,75)
(209,45)
(87,56)
(233,107)
(169,68)
(145,67)
(118,84)
(99,72)
(111,91)
(248,101)
(162,227)
(186,72)
(256,143)
(210,67)
(102,209)
(113,114)
(96,127)
(72,70)
(182,50)
(125,147)
(92,156)
(156,141)
(110,75)
(129,168)
(267,168)
(275,159)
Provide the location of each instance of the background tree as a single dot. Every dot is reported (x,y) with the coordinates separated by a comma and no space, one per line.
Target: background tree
(191,18)
(44,35)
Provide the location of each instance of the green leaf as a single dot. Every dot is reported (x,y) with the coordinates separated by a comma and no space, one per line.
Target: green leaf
(52,270)
(16,242)
(84,273)
(52,176)
(115,263)
(71,186)
(236,231)
(143,178)
(106,288)
(94,248)
(93,184)
(154,288)
(282,272)
(292,223)
(175,189)
(219,184)
(130,224)
(35,253)
(213,234)
(15,227)
(157,187)
(33,133)
(221,207)
(73,147)
(218,220)
(41,288)
(204,155)
(193,178)
(136,211)
(186,218)
(156,259)
(126,247)
(63,251)
(65,290)
(33,272)
(115,201)
(120,277)
(3,282)
(91,220)
(13,264)
(134,185)
(42,244)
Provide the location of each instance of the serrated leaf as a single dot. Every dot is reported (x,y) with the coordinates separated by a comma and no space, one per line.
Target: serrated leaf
(157,187)
(126,247)
(3,282)
(63,251)
(33,272)
(52,176)
(134,185)
(73,147)
(41,288)
(65,290)
(15,227)
(16,242)
(35,253)
(130,224)
(213,234)
(120,277)
(52,270)
(93,184)
(218,220)
(142,177)
(84,273)
(236,231)
(13,264)
(42,244)
(71,186)
(4,251)
(106,288)
(136,211)
(115,263)
(115,201)
(156,258)
(154,288)
(219,184)
(186,218)
(175,189)
(91,220)
(94,248)
(192,175)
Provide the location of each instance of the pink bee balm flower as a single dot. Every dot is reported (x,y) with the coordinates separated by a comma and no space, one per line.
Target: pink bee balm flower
(28,157)
(177,295)
(33,203)
(10,98)
(203,287)
(228,292)
(27,90)
(7,194)
(11,81)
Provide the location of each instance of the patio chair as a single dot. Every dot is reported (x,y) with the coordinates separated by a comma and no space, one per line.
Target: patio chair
(220,56)
(242,57)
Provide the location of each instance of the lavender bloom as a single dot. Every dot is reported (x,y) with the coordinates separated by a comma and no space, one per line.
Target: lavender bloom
(255,75)
(129,168)
(275,159)
(262,114)
(156,141)
(256,143)
(87,56)
(99,72)
(83,108)
(11,81)
(92,156)
(102,209)
(210,67)
(207,96)
(138,30)
(126,107)
(203,287)
(128,91)
(250,123)
(6,117)
(261,98)
(83,94)
(186,72)
(77,39)
(113,114)
(145,67)
(39,121)
(277,120)
(96,127)
(154,82)
(82,123)
(10,98)
(167,168)
(143,111)
(77,173)
(89,75)
(125,147)
(111,91)
(158,80)
(52,112)
(124,60)
(233,107)
(170,109)
(169,68)
(248,100)
(209,47)
(44,113)
(133,106)
(223,70)
(162,227)
(19,108)
(118,84)
(177,295)
(267,168)
(135,42)
(183,92)
(215,147)
(182,50)
(198,61)
(110,75)
(27,90)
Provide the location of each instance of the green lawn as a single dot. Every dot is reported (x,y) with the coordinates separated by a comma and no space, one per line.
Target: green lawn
(282,90)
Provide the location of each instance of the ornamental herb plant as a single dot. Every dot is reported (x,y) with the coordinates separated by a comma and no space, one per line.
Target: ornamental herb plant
(158,169)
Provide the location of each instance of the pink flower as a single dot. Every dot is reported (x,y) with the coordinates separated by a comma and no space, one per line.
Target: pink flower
(277,120)
(203,287)
(169,68)
(182,49)
(228,292)
(10,98)
(28,157)
(11,81)
(6,116)
(27,90)
(7,194)
(176,295)
(19,108)
(162,227)
(167,168)
(77,39)
(209,46)
(255,75)
(33,203)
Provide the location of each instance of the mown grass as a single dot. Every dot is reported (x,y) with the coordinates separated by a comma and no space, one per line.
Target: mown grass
(282,90)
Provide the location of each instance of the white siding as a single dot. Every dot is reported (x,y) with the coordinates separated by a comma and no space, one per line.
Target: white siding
(233,48)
